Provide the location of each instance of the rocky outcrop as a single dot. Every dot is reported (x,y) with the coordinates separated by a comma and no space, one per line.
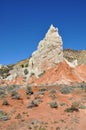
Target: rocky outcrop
(48,54)
(72,55)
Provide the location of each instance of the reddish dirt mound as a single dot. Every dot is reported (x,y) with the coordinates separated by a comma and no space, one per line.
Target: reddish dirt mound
(62,74)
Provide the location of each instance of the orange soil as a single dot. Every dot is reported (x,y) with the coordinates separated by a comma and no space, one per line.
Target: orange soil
(53,118)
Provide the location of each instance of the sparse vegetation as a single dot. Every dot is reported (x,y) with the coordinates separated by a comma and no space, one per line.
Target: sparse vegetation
(2,93)
(41,74)
(66,90)
(32,74)
(15,95)
(5,102)
(42,128)
(74,107)
(53,104)
(33,103)
(42,91)
(22,65)
(4,116)
(4,71)
(26,65)
(18,116)
(53,91)
(25,71)
(82,107)
(29,90)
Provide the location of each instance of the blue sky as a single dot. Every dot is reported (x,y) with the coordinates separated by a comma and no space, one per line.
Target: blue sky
(23,23)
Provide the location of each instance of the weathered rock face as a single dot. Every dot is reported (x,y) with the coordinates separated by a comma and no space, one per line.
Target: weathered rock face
(48,54)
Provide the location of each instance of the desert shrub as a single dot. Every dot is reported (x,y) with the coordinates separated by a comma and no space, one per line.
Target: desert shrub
(26,65)
(32,74)
(5,102)
(75,104)
(29,90)
(42,91)
(25,71)
(18,116)
(4,71)
(53,104)
(42,128)
(12,88)
(33,103)
(53,96)
(22,66)
(62,104)
(66,90)
(82,107)
(4,116)
(2,93)
(83,86)
(74,107)
(15,95)
(52,91)
(41,74)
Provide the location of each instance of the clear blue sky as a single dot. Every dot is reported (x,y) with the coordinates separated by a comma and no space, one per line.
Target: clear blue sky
(23,23)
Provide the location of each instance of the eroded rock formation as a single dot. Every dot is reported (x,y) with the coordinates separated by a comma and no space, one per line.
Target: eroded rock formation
(48,54)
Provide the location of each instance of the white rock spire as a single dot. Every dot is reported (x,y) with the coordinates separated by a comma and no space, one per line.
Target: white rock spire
(48,53)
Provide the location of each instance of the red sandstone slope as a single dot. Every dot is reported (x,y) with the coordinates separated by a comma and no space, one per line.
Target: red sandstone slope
(62,74)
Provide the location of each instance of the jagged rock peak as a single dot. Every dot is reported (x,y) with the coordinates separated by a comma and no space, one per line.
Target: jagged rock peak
(52,29)
(48,53)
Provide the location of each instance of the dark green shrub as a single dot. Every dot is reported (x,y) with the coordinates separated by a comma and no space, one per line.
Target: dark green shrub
(82,107)
(4,116)
(2,93)
(66,90)
(33,103)
(52,91)
(42,89)
(18,116)
(22,66)
(25,71)
(5,102)
(26,65)
(29,90)
(53,96)
(74,107)
(32,74)
(15,95)
(41,74)
(53,104)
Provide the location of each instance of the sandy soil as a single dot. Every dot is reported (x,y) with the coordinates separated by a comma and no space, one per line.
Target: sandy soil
(44,117)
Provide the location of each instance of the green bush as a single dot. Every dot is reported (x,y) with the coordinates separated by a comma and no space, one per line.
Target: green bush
(22,66)
(52,91)
(33,103)
(15,95)
(4,116)
(29,90)
(82,107)
(26,65)
(53,104)
(41,74)
(25,71)
(66,90)
(5,102)
(74,107)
